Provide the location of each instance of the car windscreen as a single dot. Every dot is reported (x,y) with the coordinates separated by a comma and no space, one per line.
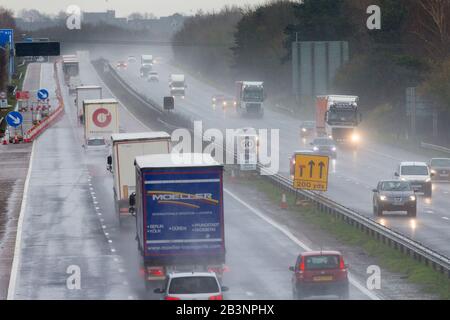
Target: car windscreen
(323,142)
(322,262)
(414,170)
(308,125)
(440,163)
(96,142)
(395,186)
(193,285)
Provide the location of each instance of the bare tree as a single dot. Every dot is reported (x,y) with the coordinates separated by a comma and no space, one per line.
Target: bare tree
(433,26)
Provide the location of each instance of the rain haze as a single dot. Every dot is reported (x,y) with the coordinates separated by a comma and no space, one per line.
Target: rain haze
(315,143)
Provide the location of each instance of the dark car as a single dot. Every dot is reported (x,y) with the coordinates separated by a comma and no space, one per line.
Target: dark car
(325,146)
(307,129)
(320,273)
(228,103)
(440,169)
(217,99)
(394,195)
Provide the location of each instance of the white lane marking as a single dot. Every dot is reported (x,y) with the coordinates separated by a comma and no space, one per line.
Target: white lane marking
(445,218)
(18,244)
(113,250)
(294,239)
(97,208)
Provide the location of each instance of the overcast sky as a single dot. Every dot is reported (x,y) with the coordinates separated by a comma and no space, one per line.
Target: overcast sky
(125,7)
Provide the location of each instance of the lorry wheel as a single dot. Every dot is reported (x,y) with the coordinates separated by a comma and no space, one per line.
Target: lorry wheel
(148,286)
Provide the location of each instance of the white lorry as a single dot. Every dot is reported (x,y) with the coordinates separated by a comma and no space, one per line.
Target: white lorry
(86,93)
(250,97)
(125,148)
(338,117)
(177,85)
(101,118)
(146,60)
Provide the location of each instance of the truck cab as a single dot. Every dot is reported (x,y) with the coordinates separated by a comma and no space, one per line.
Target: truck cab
(177,85)
(250,96)
(338,117)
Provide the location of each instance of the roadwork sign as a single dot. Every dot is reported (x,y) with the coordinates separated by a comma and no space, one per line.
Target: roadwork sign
(311,172)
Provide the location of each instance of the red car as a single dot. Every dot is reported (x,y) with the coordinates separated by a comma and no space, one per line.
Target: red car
(320,273)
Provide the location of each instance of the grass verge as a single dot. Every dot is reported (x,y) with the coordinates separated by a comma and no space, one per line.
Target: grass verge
(431,281)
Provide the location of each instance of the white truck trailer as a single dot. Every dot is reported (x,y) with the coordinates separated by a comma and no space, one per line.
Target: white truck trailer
(86,93)
(101,118)
(125,148)
(177,85)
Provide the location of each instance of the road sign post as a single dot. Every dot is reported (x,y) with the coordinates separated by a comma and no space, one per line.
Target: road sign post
(311,172)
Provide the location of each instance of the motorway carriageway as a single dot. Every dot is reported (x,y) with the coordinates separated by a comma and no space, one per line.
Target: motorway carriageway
(352,176)
(68,221)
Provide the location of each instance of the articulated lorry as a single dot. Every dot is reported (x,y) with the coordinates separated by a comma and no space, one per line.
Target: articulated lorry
(70,67)
(101,118)
(338,117)
(179,214)
(177,85)
(250,97)
(86,93)
(125,148)
(146,60)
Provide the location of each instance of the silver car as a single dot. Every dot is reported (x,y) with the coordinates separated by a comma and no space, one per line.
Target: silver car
(394,195)
(192,286)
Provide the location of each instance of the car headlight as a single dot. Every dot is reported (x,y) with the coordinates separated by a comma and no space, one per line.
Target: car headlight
(214,99)
(355,137)
(316,149)
(428,180)
(333,149)
(403,179)
(224,103)
(383,198)
(412,198)
(303,129)
(433,171)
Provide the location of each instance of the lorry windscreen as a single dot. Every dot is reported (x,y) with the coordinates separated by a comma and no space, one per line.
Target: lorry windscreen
(177,84)
(253,94)
(336,115)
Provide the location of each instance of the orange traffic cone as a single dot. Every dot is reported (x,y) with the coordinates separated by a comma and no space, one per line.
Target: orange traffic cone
(283,204)
(16,139)
(4,141)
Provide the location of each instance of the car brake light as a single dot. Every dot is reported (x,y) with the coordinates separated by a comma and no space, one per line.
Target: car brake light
(342,264)
(158,272)
(171,298)
(218,297)
(301,267)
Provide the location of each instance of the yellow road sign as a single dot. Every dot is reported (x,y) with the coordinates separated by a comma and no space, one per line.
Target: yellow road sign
(311,172)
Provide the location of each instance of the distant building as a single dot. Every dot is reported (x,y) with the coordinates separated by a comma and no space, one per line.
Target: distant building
(162,25)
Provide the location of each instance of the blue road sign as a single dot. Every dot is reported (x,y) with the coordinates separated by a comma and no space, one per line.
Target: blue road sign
(6,36)
(42,94)
(14,119)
